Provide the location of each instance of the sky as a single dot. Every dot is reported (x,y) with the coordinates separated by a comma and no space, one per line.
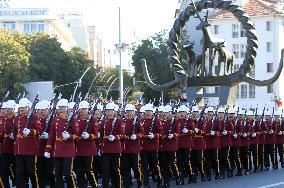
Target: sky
(139,18)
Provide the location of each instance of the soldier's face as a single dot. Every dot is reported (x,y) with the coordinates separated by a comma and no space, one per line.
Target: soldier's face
(42,113)
(195,115)
(161,114)
(250,118)
(268,118)
(209,115)
(231,117)
(168,115)
(110,113)
(10,112)
(182,114)
(98,113)
(148,114)
(241,117)
(4,111)
(221,116)
(129,114)
(62,112)
(24,111)
(277,118)
(84,111)
(258,118)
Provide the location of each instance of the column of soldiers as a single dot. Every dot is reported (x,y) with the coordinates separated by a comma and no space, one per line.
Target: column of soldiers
(77,143)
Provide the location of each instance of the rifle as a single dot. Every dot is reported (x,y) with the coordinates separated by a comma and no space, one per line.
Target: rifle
(236,122)
(245,122)
(73,112)
(32,110)
(52,113)
(214,120)
(280,123)
(153,121)
(201,116)
(172,124)
(4,98)
(113,125)
(272,120)
(135,122)
(225,119)
(91,116)
(18,98)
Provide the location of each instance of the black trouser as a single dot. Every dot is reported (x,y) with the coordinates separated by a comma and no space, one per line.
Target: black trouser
(83,167)
(244,152)
(7,168)
(168,164)
(225,163)
(45,172)
(26,164)
(235,158)
(197,158)
(63,166)
(150,158)
(97,165)
(254,155)
(131,161)
(111,169)
(261,155)
(212,160)
(184,162)
(269,150)
(279,150)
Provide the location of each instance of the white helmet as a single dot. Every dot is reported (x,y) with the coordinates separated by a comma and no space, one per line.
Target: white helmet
(221,110)
(24,102)
(231,111)
(161,108)
(148,107)
(259,113)
(116,107)
(129,107)
(142,109)
(241,112)
(44,104)
(209,109)
(4,105)
(83,104)
(276,113)
(183,108)
(110,106)
(168,108)
(11,104)
(250,113)
(268,113)
(71,105)
(62,103)
(195,109)
(100,107)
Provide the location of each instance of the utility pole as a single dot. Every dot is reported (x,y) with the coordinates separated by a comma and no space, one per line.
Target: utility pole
(120,47)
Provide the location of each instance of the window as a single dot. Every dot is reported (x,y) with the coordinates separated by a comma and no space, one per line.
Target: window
(270,89)
(10,26)
(238,90)
(216,29)
(252,72)
(30,27)
(242,31)
(236,50)
(268,47)
(251,91)
(216,90)
(235,31)
(268,25)
(244,91)
(269,67)
(243,50)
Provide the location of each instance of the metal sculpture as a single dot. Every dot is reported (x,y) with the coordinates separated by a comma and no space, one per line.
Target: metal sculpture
(197,75)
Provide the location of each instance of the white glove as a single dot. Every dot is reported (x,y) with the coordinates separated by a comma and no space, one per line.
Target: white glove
(99,153)
(65,135)
(253,135)
(85,135)
(170,136)
(244,135)
(196,130)
(46,155)
(280,133)
(151,136)
(111,138)
(212,133)
(26,131)
(133,137)
(184,130)
(11,136)
(44,136)
(235,135)
(271,132)
(99,135)
(224,133)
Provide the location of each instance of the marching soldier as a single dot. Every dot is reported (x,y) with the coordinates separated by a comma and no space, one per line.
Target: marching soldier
(150,145)
(261,138)
(245,121)
(199,144)
(111,132)
(236,143)
(226,121)
(269,147)
(26,145)
(279,140)
(61,143)
(8,157)
(185,144)
(131,147)
(212,140)
(84,157)
(169,147)
(45,165)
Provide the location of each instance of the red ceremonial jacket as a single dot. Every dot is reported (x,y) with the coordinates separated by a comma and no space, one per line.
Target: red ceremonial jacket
(212,142)
(7,127)
(148,144)
(255,129)
(226,140)
(198,139)
(185,140)
(270,138)
(166,143)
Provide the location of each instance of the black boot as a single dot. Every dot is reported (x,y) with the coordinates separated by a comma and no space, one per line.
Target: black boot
(203,178)
(166,184)
(217,176)
(239,173)
(159,184)
(247,172)
(222,174)
(255,170)
(275,166)
(208,176)
(179,181)
(282,165)
(191,179)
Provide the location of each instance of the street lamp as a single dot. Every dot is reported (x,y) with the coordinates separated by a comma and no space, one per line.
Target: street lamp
(93,81)
(79,83)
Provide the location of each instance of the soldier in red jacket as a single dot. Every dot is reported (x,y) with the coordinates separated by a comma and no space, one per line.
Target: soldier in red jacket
(84,157)
(261,139)
(199,145)
(61,142)
(269,147)
(236,143)
(246,121)
(212,139)
(185,144)
(279,140)
(111,133)
(150,145)
(8,157)
(131,147)
(169,147)
(26,145)
(225,119)
(45,165)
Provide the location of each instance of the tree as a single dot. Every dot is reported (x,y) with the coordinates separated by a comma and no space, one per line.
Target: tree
(14,60)
(154,50)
